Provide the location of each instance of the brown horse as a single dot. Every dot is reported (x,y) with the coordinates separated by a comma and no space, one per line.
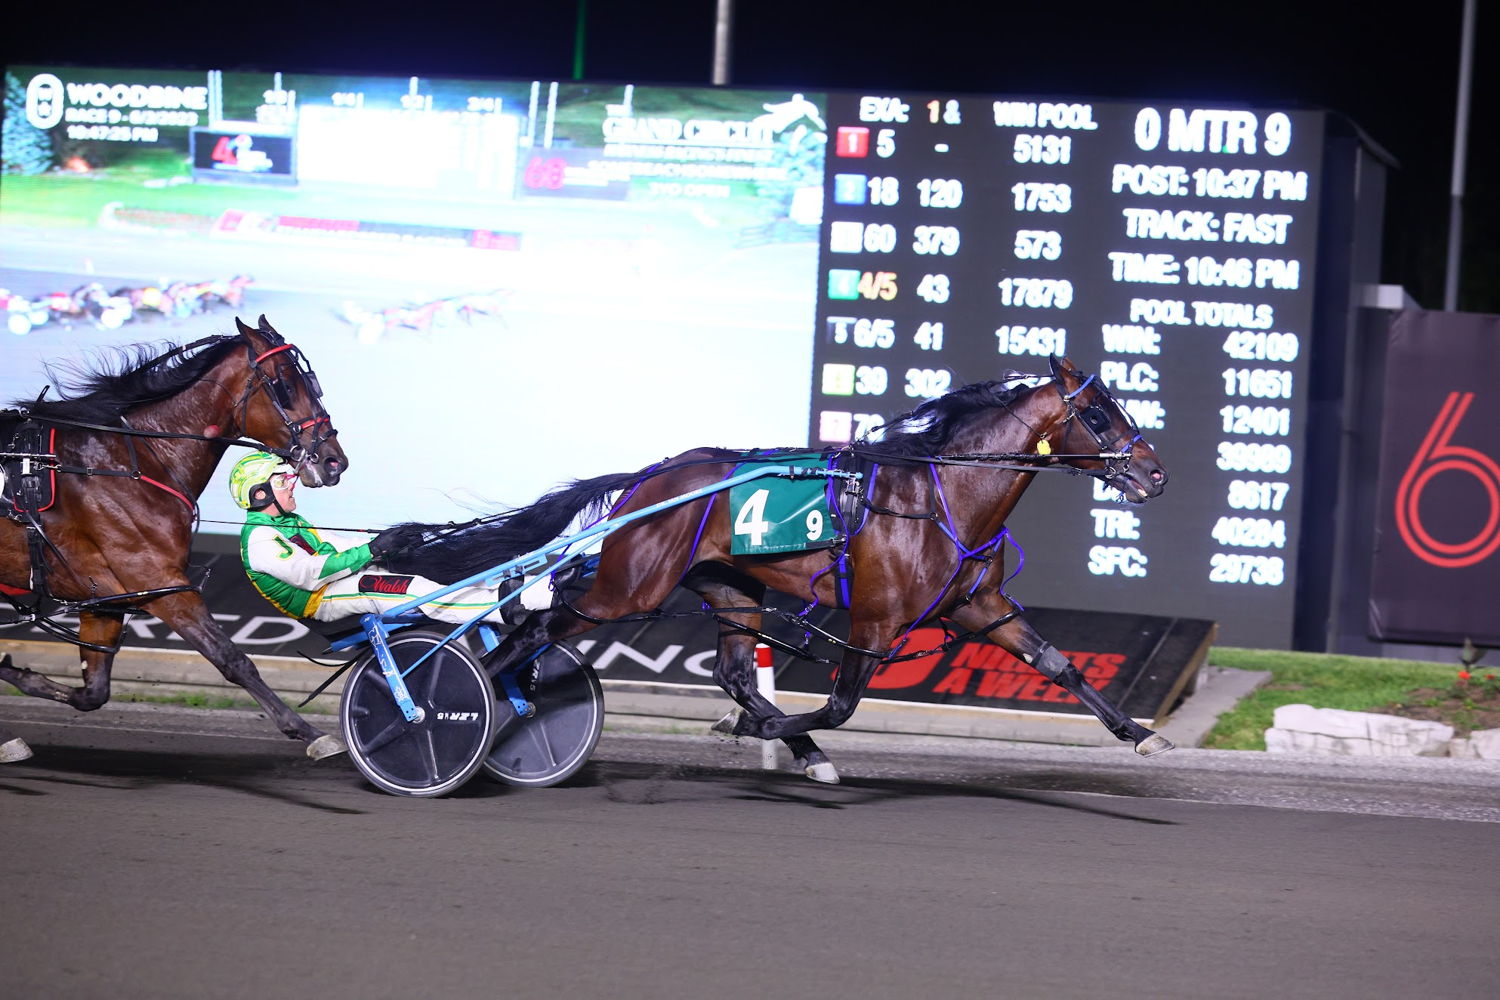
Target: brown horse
(133,450)
(926,546)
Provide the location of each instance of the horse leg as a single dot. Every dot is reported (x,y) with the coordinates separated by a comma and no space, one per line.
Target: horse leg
(96,629)
(188,617)
(734,671)
(1017,637)
(849,683)
(537,630)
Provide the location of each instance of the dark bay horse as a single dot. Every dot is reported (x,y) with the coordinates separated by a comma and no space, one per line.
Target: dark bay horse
(134,449)
(927,546)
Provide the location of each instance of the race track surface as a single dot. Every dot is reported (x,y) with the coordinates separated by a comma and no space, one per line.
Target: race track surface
(172,853)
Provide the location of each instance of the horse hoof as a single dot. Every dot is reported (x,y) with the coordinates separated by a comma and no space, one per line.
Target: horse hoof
(824,773)
(14,750)
(327,745)
(725,726)
(1154,744)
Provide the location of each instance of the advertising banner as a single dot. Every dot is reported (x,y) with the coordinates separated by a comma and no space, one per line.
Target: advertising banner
(1436,571)
(1142,663)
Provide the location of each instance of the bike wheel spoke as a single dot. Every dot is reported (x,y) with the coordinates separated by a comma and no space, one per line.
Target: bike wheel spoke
(384,738)
(429,755)
(536,732)
(434,668)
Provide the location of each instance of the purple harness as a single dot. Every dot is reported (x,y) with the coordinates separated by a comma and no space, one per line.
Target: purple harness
(839,566)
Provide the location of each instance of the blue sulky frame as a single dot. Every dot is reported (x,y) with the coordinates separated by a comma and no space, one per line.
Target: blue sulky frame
(550,557)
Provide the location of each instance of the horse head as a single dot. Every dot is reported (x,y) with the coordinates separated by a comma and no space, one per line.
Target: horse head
(1093,423)
(283,406)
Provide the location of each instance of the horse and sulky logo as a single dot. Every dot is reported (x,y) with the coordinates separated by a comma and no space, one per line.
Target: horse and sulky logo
(1437,454)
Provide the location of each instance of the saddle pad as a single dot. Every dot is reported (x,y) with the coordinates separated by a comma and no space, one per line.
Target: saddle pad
(778,514)
(25,484)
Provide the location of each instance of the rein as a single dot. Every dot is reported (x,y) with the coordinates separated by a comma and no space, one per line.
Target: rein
(136,432)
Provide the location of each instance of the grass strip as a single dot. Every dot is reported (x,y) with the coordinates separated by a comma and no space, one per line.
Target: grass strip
(1322,680)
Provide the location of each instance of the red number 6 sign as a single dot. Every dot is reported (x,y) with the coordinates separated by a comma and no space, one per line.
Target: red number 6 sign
(1436,455)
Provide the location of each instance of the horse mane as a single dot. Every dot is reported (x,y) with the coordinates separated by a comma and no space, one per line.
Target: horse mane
(926,430)
(119,379)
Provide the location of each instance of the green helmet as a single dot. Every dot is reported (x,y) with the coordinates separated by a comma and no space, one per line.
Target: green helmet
(250,479)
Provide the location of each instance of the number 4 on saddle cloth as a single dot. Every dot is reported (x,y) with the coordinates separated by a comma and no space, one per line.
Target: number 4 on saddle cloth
(785,514)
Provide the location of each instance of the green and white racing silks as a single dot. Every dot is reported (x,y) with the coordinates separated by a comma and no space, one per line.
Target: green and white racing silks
(290,562)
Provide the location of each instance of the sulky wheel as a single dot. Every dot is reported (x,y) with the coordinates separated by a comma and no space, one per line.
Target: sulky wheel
(553,744)
(445,747)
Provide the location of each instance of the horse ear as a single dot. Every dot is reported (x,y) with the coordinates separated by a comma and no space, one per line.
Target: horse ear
(1064,371)
(270,331)
(242,327)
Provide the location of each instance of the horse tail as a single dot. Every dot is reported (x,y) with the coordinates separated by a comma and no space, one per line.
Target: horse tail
(453,552)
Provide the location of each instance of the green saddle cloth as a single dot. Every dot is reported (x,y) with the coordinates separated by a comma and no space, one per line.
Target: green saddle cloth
(779,514)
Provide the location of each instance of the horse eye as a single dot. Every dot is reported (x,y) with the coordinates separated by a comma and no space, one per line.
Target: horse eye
(1096,418)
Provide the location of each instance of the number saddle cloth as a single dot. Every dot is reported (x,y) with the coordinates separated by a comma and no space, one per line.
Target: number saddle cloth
(795,513)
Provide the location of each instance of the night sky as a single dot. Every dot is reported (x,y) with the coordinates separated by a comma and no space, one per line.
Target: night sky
(1396,77)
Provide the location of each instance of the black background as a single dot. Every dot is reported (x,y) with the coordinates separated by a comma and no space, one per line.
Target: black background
(1394,74)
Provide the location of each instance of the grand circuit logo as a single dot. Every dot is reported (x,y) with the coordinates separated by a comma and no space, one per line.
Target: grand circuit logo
(1435,455)
(44,100)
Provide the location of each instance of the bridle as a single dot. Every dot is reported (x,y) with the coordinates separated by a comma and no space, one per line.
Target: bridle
(282,395)
(1098,421)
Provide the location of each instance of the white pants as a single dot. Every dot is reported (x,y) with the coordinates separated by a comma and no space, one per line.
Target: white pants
(377,591)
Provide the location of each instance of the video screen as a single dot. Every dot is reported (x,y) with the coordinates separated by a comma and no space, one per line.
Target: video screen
(502,286)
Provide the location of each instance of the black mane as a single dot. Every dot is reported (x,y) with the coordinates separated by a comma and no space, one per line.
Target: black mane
(926,430)
(129,377)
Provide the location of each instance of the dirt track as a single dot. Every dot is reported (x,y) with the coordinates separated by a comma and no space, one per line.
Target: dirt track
(180,854)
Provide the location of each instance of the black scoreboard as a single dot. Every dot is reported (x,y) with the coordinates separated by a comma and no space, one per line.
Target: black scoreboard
(1168,248)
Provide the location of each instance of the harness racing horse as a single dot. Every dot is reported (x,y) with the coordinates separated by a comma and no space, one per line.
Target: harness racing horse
(127,457)
(928,546)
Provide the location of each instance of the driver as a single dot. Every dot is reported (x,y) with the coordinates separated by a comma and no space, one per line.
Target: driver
(309,572)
